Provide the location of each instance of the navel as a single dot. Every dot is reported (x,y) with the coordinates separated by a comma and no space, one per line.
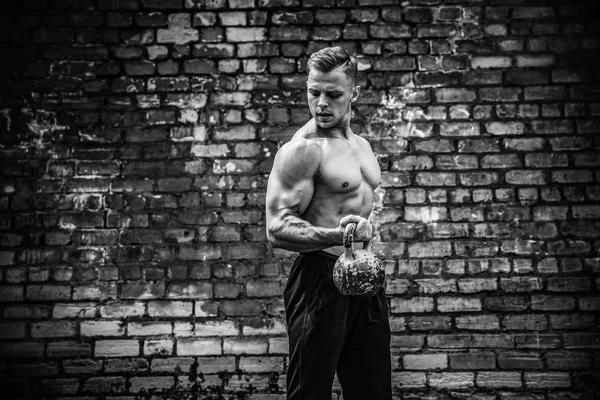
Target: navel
(345,184)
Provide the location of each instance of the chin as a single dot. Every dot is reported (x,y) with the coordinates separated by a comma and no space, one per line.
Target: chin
(326,124)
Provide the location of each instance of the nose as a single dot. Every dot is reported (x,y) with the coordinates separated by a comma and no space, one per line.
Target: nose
(322,102)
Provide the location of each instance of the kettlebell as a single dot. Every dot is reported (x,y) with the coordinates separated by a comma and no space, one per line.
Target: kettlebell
(357,272)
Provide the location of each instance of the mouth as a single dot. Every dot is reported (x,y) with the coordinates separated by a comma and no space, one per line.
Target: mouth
(324,115)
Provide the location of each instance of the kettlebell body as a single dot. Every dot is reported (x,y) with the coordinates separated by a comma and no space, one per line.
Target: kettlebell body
(357,272)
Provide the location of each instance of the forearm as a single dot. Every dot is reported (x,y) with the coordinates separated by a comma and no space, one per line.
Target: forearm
(296,234)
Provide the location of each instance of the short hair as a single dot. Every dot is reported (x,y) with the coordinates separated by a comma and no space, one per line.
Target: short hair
(330,58)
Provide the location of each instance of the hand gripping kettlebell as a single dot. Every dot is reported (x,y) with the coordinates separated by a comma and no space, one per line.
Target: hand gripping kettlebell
(357,272)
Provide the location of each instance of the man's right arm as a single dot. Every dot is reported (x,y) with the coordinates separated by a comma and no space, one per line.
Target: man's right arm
(289,192)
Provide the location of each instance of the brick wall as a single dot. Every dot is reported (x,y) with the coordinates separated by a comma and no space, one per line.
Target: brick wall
(137,136)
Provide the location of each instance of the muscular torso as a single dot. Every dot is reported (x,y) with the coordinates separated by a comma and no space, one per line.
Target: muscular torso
(345,182)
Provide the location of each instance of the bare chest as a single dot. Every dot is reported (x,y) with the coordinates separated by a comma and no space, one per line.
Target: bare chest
(345,167)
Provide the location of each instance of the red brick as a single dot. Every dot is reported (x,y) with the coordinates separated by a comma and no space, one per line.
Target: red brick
(572,321)
(106,4)
(244,346)
(412,305)
(473,360)
(493,379)
(160,4)
(168,308)
(451,380)
(149,328)
(553,127)
(568,284)
(261,364)
(141,290)
(408,380)
(458,304)
(395,64)
(158,347)
(173,364)
(12,330)
(568,360)
(375,2)
(478,322)
(519,360)
(425,361)
(102,328)
(436,30)
(138,384)
(82,366)
(116,348)
(580,340)
(547,379)
(200,67)
(456,162)
(589,303)
(98,385)
(199,347)
(427,323)
(521,284)
(490,62)
(572,176)
(478,178)
(501,161)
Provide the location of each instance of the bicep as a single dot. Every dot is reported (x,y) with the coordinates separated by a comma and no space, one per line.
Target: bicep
(285,196)
(291,184)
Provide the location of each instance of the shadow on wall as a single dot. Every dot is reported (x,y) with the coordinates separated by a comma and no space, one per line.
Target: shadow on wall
(31,121)
(132,246)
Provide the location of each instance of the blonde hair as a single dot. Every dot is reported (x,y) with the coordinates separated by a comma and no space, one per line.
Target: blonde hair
(330,58)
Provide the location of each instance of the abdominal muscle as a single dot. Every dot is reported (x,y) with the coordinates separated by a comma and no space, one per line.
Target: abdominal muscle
(348,175)
(327,209)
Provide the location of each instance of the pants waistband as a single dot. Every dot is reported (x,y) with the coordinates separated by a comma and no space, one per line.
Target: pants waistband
(321,254)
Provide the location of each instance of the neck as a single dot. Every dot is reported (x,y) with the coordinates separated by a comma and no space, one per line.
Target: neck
(340,130)
(336,131)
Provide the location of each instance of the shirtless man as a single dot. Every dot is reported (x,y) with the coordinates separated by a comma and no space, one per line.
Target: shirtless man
(322,180)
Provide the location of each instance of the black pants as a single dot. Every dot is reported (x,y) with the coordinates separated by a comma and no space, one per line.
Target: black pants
(329,332)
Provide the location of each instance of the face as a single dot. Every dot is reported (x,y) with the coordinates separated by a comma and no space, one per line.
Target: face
(330,95)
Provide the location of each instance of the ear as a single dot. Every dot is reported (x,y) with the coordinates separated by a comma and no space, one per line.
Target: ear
(355,93)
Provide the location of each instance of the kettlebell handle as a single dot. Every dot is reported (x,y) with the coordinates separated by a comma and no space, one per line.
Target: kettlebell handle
(349,241)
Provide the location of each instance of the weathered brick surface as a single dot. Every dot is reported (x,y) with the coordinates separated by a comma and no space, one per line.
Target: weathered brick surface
(136,139)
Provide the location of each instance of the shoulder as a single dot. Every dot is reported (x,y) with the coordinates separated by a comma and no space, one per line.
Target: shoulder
(303,146)
(298,160)
(362,142)
(301,152)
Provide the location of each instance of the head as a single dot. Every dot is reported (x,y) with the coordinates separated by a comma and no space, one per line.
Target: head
(331,86)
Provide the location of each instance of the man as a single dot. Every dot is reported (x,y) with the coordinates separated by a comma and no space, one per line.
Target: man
(322,180)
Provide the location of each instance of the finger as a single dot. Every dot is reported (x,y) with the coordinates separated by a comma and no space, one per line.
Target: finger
(348,219)
(364,229)
(364,223)
(361,226)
